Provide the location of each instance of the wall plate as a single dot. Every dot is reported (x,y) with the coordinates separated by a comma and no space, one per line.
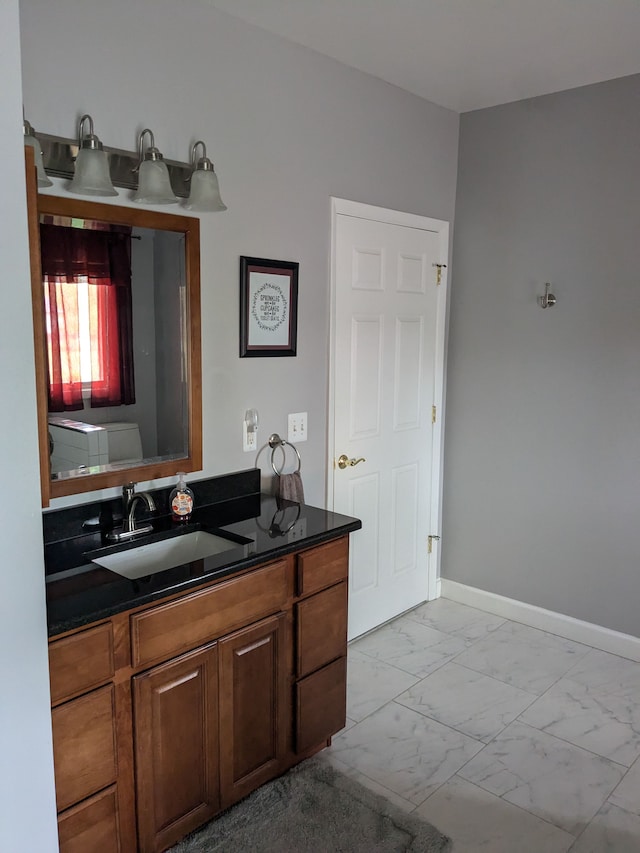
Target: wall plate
(297,428)
(249,439)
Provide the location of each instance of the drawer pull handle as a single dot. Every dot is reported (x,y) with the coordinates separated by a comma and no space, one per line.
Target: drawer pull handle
(253,646)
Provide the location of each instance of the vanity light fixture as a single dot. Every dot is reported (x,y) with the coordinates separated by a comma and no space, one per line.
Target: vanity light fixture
(91,174)
(154,184)
(94,169)
(205,191)
(30,139)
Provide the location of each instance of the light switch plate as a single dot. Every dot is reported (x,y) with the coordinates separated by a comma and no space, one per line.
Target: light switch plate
(297,430)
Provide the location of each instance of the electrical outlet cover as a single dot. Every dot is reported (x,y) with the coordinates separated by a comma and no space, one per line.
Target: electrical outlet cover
(249,439)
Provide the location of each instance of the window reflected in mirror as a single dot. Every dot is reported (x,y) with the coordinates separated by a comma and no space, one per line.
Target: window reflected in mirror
(86,273)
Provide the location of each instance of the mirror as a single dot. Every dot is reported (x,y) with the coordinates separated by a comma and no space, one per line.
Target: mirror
(149,426)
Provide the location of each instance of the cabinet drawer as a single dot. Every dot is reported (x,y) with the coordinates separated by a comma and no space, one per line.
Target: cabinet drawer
(321,629)
(84,749)
(189,622)
(93,825)
(323,566)
(321,705)
(81,662)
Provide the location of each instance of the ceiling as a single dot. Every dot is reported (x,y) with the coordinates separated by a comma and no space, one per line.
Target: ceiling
(463,54)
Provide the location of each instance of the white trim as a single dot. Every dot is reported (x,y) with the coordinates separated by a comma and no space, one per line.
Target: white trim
(331,404)
(438,587)
(344,207)
(390,217)
(437,455)
(588,633)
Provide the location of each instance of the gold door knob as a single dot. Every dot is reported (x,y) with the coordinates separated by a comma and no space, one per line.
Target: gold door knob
(344,461)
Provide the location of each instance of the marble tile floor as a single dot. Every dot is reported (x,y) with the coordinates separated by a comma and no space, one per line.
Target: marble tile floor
(508,739)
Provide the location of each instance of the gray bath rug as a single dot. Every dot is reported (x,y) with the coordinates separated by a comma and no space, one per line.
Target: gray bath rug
(314,809)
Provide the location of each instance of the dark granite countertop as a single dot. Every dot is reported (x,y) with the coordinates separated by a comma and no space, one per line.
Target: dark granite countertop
(80,592)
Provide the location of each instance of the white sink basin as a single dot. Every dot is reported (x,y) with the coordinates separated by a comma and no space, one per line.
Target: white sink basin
(165,554)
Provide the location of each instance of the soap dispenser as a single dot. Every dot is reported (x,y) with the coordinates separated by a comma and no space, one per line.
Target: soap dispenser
(181,501)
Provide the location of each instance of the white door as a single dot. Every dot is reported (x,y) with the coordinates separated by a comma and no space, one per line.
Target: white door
(388,299)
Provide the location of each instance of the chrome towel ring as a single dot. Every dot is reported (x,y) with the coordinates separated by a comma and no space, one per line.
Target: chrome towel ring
(274,443)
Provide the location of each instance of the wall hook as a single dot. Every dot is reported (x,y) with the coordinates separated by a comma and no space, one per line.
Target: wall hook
(548,300)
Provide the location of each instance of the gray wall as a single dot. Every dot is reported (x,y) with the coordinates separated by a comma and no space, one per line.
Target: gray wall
(27,802)
(542,448)
(286,129)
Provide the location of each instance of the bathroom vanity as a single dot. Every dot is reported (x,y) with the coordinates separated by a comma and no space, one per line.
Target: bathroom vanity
(177,687)
(178,693)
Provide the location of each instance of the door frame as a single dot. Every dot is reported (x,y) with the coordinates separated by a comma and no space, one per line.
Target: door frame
(344,207)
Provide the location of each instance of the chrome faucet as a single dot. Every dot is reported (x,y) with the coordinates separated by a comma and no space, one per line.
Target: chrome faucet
(130,499)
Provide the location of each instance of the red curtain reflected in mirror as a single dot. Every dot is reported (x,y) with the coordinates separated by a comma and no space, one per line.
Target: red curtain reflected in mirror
(87,291)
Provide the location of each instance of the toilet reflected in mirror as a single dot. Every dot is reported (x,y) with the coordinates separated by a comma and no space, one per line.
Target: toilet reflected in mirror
(75,444)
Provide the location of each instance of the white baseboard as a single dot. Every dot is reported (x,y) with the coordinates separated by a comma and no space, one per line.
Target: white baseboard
(587,633)
(438,587)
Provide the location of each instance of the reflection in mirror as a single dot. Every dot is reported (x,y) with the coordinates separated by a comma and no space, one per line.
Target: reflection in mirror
(114,395)
(119,296)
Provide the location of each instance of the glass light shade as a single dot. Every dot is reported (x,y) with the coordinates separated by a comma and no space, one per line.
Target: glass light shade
(43,178)
(205,192)
(154,185)
(91,175)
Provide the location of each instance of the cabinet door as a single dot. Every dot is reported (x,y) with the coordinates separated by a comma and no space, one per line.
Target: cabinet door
(254,713)
(176,747)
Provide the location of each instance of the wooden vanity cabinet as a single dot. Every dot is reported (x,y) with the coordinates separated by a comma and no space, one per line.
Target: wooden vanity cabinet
(166,715)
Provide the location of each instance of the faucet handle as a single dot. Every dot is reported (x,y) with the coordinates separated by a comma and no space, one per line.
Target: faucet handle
(128,491)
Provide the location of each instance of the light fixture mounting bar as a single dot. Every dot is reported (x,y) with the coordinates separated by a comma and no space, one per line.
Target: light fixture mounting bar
(58,154)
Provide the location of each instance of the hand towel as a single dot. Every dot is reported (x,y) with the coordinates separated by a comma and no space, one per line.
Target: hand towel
(289,486)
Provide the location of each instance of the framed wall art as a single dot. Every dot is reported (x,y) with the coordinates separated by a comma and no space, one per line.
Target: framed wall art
(268,307)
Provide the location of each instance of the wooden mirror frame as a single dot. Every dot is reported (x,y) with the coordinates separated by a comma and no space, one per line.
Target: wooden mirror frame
(143,218)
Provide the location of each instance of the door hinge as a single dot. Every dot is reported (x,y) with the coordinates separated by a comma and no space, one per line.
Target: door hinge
(430,543)
(434,414)
(439,267)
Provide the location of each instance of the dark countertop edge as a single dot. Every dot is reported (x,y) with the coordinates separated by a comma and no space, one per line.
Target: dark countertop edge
(61,626)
